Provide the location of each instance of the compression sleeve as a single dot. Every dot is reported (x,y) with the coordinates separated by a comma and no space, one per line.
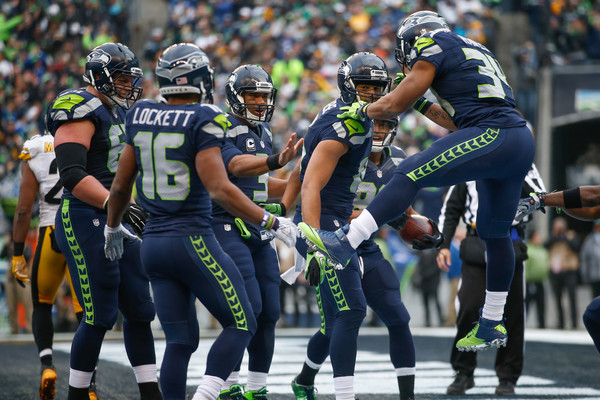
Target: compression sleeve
(71,159)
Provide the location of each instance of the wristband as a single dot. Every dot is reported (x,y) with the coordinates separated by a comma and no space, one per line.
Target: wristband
(542,197)
(362,112)
(422,105)
(572,198)
(105,203)
(268,220)
(273,162)
(18,248)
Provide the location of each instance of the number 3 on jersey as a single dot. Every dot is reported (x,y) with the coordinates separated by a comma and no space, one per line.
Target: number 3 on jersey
(491,69)
(173,183)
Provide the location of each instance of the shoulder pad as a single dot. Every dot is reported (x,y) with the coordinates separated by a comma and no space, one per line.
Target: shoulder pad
(35,145)
(74,104)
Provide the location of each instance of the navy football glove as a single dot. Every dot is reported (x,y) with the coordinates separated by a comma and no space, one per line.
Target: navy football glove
(135,216)
(430,241)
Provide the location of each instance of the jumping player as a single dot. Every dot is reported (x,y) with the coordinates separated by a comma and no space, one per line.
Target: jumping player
(492,145)
(176,148)
(87,125)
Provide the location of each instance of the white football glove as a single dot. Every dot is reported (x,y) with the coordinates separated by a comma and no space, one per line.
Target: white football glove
(113,241)
(287,231)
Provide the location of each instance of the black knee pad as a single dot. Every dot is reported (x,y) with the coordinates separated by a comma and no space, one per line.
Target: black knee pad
(181,332)
(143,312)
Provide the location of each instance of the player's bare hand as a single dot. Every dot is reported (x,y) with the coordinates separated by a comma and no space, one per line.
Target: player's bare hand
(444,260)
(290,150)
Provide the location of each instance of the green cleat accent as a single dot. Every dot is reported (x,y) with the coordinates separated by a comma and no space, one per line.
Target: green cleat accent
(304,392)
(256,394)
(486,334)
(233,393)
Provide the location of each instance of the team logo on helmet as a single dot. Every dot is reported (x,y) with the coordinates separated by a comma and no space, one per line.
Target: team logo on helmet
(99,56)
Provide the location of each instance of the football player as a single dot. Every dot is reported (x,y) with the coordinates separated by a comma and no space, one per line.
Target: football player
(379,280)
(491,145)
(39,177)
(335,157)
(176,148)
(248,158)
(87,125)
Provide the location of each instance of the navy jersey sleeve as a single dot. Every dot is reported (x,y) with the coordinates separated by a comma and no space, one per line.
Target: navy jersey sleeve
(210,128)
(229,151)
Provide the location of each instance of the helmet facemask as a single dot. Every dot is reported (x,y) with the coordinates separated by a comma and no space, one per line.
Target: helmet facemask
(387,129)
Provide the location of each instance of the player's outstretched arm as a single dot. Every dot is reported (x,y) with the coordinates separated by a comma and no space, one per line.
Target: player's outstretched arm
(245,165)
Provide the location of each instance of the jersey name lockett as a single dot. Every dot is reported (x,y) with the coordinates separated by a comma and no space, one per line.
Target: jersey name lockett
(148,116)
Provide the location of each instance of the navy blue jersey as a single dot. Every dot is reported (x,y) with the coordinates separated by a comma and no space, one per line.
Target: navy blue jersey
(376,177)
(469,82)
(166,139)
(109,137)
(253,140)
(339,192)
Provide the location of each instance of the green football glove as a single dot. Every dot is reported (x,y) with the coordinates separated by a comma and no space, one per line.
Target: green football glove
(275,208)
(399,78)
(357,110)
(316,262)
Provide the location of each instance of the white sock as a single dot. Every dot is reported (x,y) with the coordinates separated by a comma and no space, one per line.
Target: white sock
(312,365)
(80,379)
(209,388)
(46,352)
(344,387)
(493,308)
(361,228)
(405,371)
(256,380)
(232,379)
(145,373)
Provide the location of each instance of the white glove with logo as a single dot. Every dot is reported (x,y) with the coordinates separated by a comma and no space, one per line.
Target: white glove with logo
(113,241)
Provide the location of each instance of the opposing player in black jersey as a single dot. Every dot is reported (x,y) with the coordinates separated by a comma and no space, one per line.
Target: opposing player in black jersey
(176,148)
(87,125)
(491,145)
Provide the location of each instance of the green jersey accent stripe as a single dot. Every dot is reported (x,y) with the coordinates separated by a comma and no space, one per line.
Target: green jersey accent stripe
(226,285)
(82,273)
(336,290)
(321,312)
(453,153)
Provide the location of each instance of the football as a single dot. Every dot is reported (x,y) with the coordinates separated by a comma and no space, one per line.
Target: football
(416,226)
